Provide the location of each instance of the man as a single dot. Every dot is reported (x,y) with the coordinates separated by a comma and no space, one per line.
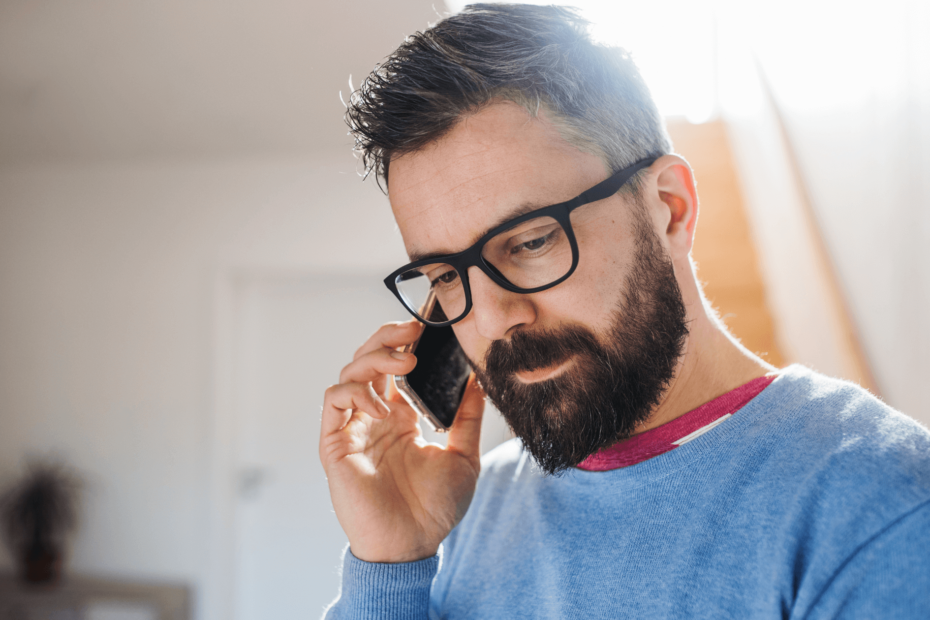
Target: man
(660,469)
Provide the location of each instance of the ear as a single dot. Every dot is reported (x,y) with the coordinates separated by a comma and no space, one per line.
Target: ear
(677,192)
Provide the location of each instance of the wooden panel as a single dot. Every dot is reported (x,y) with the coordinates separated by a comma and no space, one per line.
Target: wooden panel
(723,248)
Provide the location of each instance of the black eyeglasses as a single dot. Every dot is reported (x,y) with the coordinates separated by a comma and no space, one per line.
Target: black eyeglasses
(527,254)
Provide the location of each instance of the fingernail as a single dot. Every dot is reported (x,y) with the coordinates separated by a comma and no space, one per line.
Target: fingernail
(399,355)
(382,406)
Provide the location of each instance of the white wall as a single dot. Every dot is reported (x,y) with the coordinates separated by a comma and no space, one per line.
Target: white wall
(859,123)
(853,93)
(107,279)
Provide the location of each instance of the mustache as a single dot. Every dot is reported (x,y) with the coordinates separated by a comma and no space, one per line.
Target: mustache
(526,351)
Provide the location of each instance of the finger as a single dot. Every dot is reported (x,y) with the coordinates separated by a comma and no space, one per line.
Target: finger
(392,394)
(391,336)
(374,365)
(341,400)
(465,435)
(379,385)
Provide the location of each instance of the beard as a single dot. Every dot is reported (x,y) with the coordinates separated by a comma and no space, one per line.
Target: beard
(611,387)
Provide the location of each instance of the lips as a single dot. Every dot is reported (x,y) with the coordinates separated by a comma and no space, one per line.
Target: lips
(543,372)
(527,352)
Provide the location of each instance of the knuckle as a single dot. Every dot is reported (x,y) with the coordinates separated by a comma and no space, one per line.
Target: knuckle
(329,392)
(391,327)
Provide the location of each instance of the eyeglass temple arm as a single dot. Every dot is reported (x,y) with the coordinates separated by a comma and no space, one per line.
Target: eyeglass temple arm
(611,185)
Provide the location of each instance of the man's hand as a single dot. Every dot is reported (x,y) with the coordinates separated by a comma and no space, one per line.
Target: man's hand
(396,496)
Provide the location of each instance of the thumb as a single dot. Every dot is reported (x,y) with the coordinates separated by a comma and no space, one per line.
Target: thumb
(465,434)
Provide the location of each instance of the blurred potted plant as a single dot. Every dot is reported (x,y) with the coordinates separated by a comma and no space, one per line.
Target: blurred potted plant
(38,515)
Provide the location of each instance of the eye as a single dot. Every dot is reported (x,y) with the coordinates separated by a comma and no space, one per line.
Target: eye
(445,278)
(533,245)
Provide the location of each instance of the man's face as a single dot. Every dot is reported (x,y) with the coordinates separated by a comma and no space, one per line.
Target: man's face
(548,360)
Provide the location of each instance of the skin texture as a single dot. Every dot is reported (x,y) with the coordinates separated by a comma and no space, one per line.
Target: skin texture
(398,497)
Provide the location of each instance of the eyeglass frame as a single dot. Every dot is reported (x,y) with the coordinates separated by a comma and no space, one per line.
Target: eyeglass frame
(471,257)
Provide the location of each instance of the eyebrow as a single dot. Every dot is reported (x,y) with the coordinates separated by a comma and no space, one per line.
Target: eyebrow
(527,207)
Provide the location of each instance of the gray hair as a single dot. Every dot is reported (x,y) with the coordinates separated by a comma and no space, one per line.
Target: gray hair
(540,57)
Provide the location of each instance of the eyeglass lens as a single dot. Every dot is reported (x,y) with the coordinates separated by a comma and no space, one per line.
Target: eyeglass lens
(530,255)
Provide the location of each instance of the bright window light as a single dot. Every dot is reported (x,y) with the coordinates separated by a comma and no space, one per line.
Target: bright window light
(672,42)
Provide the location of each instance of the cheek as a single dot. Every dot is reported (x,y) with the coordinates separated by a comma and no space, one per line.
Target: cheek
(589,297)
(472,344)
(605,258)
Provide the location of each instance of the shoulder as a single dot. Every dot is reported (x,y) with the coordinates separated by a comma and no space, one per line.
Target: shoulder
(501,471)
(834,445)
(838,416)
(852,479)
(504,469)
(505,465)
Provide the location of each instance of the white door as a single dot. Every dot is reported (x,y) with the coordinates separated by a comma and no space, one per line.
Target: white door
(292,336)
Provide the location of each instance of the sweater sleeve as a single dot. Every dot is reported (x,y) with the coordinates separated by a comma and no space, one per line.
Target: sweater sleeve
(888,577)
(383,591)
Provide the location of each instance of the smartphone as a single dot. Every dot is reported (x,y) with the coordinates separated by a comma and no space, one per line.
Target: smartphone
(435,387)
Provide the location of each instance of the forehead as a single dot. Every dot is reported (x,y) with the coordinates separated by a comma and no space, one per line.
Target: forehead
(493,163)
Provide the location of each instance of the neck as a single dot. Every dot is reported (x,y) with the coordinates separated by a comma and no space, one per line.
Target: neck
(712,364)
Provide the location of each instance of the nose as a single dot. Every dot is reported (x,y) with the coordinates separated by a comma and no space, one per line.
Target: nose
(495,310)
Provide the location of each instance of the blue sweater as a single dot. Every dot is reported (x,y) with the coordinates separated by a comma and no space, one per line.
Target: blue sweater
(813,501)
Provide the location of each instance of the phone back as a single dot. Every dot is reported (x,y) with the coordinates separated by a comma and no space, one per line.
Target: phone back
(441,373)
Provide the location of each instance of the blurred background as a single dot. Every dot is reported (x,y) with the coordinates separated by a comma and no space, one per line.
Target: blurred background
(188,255)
